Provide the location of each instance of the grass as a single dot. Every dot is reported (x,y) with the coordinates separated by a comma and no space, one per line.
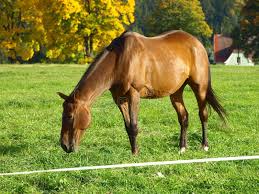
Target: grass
(30,119)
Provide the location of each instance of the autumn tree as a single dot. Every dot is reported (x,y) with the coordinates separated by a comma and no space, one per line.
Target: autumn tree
(65,30)
(103,20)
(84,26)
(18,36)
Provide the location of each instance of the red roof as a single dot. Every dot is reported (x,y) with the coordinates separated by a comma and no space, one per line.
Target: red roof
(222,47)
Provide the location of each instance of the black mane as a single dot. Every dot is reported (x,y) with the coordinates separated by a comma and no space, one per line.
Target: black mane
(117,45)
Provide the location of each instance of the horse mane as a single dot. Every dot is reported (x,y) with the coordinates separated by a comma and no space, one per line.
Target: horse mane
(117,45)
(92,65)
(127,46)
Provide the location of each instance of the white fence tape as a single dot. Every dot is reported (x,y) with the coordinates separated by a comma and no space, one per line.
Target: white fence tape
(135,165)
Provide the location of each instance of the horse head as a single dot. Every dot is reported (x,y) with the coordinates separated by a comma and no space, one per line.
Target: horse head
(76,118)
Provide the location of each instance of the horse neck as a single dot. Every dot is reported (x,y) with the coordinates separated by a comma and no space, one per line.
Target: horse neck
(97,80)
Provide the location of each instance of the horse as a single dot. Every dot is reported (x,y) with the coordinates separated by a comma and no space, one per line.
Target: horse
(134,66)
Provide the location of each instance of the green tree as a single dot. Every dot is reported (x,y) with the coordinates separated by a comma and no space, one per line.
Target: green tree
(250,28)
(222,15)
(179,14)
(143,14)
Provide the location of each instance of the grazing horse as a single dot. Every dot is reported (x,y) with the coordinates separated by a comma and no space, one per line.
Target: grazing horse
(134,66)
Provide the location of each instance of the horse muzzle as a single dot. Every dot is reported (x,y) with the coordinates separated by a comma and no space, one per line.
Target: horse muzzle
(69,148)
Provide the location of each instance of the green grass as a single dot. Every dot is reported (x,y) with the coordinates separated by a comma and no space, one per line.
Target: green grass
(30,119)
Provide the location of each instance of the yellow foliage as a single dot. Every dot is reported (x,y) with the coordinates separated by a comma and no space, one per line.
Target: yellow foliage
(62,27)
(21,29)
(24,50)
(53,53)
(78,23)
(8,44)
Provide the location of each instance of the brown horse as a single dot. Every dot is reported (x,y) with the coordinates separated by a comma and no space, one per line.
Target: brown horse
(133,67)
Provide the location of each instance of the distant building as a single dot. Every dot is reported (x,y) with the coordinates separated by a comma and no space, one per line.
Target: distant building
(238,58)
(222,48)
(224,52)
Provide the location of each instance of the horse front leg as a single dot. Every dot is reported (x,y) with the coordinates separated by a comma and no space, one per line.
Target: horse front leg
(128,106)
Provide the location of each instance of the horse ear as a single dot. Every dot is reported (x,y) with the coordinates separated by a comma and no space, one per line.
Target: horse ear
(63,96)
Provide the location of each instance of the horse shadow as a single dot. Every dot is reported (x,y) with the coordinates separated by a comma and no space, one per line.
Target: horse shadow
(191,138)
(11,149)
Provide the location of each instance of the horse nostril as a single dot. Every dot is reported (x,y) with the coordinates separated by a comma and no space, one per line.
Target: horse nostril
(71,148)
(64,147)
(68,149)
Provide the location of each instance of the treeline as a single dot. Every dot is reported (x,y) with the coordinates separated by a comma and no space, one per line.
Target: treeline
(74,31)
(221,15)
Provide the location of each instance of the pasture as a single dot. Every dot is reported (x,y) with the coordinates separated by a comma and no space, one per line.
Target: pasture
(30,120)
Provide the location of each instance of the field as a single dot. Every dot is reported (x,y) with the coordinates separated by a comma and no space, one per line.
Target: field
(30,120)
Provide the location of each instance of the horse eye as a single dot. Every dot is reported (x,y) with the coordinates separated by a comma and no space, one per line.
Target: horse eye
(67,117)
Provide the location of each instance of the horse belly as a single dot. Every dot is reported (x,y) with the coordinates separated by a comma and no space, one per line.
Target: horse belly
(162,87)
(150,93)
(165,81)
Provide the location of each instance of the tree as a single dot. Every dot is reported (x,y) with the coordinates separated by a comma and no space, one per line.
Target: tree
(64,30)
(250,28)
(143,13)
(17,41)
(177,14)
(222,15)
(84,26)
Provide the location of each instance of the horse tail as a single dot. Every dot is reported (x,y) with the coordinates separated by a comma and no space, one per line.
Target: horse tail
(213,101)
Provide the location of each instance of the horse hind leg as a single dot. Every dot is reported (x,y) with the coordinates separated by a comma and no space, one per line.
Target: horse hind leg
(200,92)
(134,100)
(178,104)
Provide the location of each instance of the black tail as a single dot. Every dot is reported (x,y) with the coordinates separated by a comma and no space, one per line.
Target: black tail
(213,101)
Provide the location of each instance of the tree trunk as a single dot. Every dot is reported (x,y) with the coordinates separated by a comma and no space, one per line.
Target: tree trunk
(91,44)
(86,43)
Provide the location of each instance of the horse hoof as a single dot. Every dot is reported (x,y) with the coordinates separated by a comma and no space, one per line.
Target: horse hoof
(135,152)
(182,150)
(205,148)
